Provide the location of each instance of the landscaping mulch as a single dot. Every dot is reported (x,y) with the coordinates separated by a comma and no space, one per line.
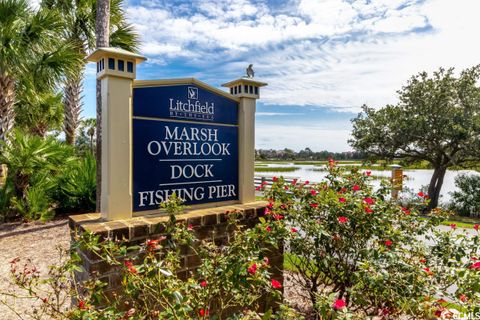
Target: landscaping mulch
(35,241)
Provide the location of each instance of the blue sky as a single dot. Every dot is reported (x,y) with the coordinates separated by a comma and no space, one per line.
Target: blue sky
(322,59)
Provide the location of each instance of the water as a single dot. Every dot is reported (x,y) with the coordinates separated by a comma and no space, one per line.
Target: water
(415,180)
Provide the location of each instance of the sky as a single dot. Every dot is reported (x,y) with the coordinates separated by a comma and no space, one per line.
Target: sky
(322,59)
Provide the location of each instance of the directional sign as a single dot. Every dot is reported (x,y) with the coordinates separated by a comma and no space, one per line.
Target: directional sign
(185,140)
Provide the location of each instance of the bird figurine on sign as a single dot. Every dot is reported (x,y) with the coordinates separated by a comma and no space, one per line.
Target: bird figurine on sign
(250,72)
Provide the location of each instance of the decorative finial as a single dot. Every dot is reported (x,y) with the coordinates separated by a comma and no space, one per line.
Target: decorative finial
(250,72)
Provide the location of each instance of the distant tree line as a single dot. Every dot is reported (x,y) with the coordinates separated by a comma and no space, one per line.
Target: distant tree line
(306,154)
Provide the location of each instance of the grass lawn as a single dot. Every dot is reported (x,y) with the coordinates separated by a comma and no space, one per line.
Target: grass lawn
(462,222)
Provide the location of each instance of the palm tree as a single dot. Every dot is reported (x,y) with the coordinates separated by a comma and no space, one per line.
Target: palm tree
(80,18)
(29,46)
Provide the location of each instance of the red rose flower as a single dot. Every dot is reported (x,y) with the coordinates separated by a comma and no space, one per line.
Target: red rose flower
(476,227)
(369,201)
(276,284)
(268,229)
(342,200)
(428,271)
(306,182)
(339,304)
(267,211)
(130,266)
(463,298)
(152,244)
(453,226)
(368,173)
(475,266)
(294,230)
(252,269)
(203,312)
(356,187)
(313,192)
(294,181)
(314,205)
(277,217)
(203,283)
(368,210)
(342,219)
(82,305)
(423,261)
(275,179)
(388,243)
(406,211)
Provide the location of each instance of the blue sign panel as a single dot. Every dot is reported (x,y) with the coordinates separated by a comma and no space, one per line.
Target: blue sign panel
(196,160)
(184,102)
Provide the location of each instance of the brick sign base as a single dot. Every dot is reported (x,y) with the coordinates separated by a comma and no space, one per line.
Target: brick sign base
(208,224)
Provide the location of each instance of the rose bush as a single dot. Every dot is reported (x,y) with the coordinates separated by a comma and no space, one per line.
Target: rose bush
(356,253)
(232,281)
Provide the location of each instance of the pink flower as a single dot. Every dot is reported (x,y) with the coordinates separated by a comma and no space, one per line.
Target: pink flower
(267,211)
(313,192)
(475,266)
(277,217)
(276,284)
(306,182)
(388,243)
(252,269)
(266,261)
(368,173)
(356,187)
(453,226)
(268,229)
(342,219)
(294,181)
(339,304)
(294,230)
(190,227)
(369,201)
(342,200)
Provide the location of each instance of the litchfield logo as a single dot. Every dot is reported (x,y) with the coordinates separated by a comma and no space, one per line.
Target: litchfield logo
(193,93)
(191,109)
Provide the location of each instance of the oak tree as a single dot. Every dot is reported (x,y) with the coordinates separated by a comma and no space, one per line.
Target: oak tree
(437,119)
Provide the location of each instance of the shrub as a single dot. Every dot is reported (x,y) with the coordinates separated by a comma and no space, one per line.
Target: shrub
(34,162)
(230,278)
(359,255)
(466,201)
(77,186)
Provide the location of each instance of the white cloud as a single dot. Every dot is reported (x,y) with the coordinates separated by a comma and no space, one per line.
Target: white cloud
(333,53)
